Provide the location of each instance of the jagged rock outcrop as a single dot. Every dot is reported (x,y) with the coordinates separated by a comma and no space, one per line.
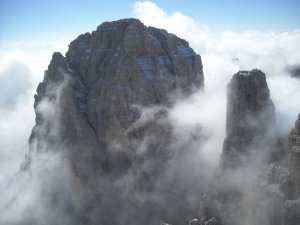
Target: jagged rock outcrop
(104,106)
(250,120)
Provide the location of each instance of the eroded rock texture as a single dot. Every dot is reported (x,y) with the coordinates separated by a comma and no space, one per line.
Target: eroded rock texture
(104,108)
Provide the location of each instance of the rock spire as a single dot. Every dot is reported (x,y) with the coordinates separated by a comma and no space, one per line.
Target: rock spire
(250,120)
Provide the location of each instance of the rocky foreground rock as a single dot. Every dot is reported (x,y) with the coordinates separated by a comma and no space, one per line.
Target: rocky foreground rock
(104,107)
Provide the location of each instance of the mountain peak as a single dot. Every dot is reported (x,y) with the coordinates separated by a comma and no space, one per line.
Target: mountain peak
(129,39)
(97,95)
(250,121)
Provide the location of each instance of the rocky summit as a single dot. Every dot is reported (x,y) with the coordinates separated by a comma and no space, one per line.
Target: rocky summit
(104,107)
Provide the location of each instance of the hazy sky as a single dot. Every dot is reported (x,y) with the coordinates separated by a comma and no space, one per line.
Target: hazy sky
(33,20)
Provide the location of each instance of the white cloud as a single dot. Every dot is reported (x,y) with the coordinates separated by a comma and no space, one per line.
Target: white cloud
(151,15)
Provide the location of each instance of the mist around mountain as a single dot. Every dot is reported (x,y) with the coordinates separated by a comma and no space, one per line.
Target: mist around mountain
(57,187)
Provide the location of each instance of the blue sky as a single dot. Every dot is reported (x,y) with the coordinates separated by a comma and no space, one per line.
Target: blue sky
(33,20)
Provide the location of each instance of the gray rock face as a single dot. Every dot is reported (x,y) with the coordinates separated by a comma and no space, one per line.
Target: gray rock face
(250,120)
(104,107)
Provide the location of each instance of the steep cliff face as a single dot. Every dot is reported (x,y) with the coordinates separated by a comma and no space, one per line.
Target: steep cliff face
(104,107)
(250,121)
